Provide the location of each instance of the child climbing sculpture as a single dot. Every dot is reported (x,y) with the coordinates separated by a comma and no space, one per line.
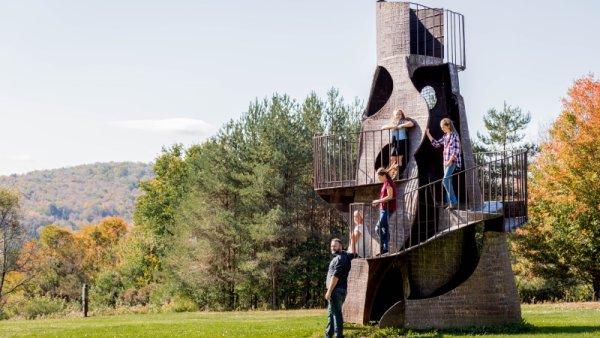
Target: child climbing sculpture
(387,207)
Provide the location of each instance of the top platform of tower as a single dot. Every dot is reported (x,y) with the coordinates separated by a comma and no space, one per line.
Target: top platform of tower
(406,28)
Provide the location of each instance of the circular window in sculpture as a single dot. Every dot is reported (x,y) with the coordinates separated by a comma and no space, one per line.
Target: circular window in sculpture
(428,94)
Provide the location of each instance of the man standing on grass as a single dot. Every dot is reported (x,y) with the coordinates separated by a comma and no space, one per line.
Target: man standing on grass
(337,283)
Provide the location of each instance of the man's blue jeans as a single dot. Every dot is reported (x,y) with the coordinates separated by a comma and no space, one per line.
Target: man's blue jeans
(335,321)
(447,182)
(383,230)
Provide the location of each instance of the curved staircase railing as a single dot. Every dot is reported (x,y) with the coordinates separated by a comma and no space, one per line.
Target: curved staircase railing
(495,188)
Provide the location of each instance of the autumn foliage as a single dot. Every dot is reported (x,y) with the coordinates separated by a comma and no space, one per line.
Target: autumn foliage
(562,240)
(64,260)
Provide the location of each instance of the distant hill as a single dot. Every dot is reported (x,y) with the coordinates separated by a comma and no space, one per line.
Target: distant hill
(72,197)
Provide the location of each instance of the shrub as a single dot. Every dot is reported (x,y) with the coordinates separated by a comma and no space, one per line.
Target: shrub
(144,293)
(541,290)
(107,288)
(13,304)
(42,306)
(181,304)
(3,314)
(128,297)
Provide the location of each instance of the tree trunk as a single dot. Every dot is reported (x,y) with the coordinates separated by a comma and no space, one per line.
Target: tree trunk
(306,287)
(4,258)
(232,296)
(231,285)
(596,287)
(273,288)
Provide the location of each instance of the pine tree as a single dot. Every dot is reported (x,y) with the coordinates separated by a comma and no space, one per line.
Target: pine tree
(504,128)
(252,232)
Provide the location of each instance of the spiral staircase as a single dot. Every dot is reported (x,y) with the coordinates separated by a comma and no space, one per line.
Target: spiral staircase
(445,268)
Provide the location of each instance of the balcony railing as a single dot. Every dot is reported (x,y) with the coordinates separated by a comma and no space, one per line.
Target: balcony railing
(495,187)
(439,33)
(336,158)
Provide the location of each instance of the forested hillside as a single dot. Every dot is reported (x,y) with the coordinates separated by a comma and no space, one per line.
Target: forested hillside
(72,197)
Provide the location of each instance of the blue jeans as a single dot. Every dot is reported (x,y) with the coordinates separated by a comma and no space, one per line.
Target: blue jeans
(450,197)
(383,230)
(335,321)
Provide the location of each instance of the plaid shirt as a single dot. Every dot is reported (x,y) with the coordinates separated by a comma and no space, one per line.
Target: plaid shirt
(451,144)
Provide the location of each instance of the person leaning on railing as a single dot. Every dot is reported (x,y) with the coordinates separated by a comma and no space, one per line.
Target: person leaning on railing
(398,126)
(387,207)
(452,158)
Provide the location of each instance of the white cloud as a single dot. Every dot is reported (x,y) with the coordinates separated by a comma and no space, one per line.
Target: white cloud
(19,157)
(175,125)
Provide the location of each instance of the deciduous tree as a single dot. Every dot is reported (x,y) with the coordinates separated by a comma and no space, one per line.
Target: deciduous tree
(11,242)
(561,242)
(155,210)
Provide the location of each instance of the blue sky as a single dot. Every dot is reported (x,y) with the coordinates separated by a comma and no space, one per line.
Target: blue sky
(96,81)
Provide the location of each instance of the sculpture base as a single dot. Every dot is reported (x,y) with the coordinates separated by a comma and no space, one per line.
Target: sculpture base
(487,297)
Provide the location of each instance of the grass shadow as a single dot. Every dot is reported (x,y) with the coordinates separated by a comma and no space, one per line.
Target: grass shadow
(568,329)
(522,328)
(519,328)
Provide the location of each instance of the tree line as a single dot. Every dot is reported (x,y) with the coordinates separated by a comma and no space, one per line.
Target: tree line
(233,223)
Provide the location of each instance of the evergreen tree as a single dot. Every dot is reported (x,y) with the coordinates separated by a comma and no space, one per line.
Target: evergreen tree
(252,232)
(504,128)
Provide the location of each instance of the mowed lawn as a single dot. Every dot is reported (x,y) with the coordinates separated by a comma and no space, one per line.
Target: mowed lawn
(300,323)
(548,320)
(553,320)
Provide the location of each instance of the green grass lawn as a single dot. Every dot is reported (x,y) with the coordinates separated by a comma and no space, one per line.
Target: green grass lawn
(562,320)
(541,320)
(302,323)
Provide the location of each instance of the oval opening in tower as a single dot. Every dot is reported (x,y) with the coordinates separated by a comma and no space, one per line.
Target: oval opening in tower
(380,91)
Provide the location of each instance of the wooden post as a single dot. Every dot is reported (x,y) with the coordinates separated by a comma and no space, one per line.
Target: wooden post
(84,299)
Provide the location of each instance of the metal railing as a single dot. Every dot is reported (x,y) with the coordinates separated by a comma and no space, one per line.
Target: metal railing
(341,160)
(496,169)
(494,188)
(439,33)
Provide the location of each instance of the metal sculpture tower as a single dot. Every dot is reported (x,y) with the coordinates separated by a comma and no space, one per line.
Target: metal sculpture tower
(445,268)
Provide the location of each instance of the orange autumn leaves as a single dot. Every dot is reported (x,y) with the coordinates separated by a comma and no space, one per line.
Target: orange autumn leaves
(561,242)
(61,260)
(568,168)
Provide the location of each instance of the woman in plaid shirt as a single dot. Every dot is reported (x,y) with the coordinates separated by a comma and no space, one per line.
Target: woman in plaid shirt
(452,158)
